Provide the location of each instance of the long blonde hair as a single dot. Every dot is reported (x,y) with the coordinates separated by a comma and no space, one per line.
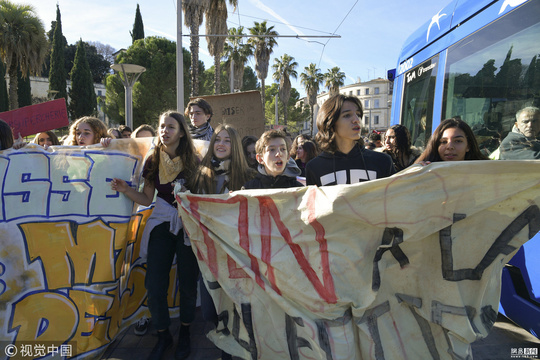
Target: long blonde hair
(98,127)
(239,170)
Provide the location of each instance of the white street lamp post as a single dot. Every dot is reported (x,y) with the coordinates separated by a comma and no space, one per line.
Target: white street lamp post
(131,74)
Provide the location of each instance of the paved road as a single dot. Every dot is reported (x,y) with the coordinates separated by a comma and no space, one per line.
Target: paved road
(504,338)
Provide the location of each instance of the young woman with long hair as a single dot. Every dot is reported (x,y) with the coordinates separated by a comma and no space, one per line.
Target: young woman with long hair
(452,140)
(397,144)
(304,153)
(224,168)
(47,138)
(87,130)
(173,160)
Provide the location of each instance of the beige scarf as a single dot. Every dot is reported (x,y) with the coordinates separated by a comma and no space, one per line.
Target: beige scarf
(169,169)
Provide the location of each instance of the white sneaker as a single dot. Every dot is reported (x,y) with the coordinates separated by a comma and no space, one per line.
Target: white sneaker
(141,326)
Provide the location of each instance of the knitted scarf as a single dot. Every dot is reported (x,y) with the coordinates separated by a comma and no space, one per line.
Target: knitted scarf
(169,168)
(202,133)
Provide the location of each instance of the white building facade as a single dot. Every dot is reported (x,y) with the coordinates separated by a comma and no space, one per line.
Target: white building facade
(39,87)
(376,98)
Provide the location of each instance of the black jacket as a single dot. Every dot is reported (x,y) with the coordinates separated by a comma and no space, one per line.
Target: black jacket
(517,146)
(357,166)
(285,180)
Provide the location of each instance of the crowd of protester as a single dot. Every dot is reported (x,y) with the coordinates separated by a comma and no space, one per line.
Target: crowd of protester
(337,155)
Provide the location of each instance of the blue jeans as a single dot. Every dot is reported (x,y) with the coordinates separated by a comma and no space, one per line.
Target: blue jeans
(162,247)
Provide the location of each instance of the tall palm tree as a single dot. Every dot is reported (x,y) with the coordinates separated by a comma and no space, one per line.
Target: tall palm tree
(284,68)
(216,24)
(23,44)
(263,48)
(193,18)
(236,51)
(311,78)
(334,79)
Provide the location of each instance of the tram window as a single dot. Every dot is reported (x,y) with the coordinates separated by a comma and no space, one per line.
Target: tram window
(493,73)
(418,95)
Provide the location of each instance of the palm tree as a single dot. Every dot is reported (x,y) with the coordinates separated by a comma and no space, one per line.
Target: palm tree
(263,48)
(236,51)
(311,78)
(216,24)
(284,68)
(334,79)
(193,18)
(23,44)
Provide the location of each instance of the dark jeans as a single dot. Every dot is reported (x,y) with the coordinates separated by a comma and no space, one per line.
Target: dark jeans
(162,247)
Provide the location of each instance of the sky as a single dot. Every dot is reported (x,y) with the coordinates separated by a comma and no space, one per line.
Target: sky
(371,32)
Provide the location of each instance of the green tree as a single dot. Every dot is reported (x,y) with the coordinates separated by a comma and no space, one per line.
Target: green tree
(216,24)
(249,80)
(238,52)
(138,27)
(311,78)
(207,82)
(99,66)
(22,44)
(24,91)
(193,17)
(334,79)
(83,97)
(297,114)
(263,48)
(57,69)
(155,91)
(284,68)
(4,100)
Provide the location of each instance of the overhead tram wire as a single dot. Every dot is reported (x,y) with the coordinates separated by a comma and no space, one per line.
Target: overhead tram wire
(282,23)
(324,46)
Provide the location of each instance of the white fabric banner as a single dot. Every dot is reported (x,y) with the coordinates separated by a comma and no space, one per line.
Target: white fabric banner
(406,267)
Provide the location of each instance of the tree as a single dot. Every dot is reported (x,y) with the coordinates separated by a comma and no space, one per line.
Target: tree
(24,91)
(22,44)
(216,24)
(99,67)
(57,70)
(193,18)
(297,114)
(236,51)
(311,78)
(83,97)
(155,91)
(207,81)
(4,100)
(284,68)
(138,27)
(263,48)
(249,80)
(334,79)
(104,50)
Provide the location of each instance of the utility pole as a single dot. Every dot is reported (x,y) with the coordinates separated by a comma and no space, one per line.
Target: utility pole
(179,60)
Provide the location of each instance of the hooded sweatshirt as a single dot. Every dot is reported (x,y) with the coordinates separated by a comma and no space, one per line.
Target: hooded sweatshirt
(357,166)
(287,179)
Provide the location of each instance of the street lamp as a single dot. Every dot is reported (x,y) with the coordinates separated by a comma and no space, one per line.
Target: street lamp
(131,75)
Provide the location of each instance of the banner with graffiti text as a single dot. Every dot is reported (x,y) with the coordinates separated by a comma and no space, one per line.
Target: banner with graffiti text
(406,267)
(70,271)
